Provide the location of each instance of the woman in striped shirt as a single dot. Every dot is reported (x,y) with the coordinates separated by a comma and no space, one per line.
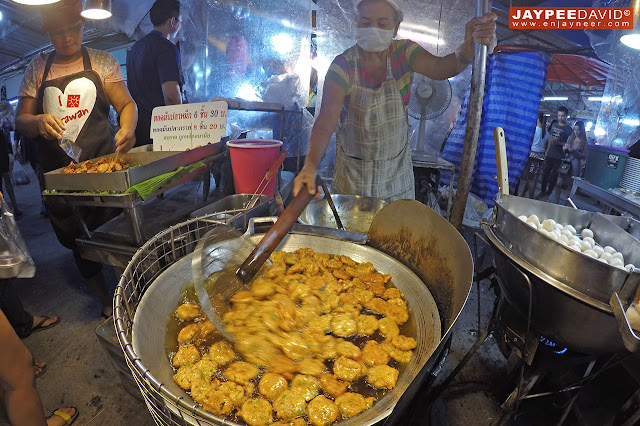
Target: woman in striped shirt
(366,94)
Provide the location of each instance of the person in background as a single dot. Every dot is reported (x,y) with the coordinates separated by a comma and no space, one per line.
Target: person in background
(29,149)
(54,89)
(5,172)
(536,158)
(575,153)
(366,94)
(20,397)
(154,70)
(558,135)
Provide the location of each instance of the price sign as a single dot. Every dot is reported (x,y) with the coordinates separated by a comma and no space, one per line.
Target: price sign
(188,126)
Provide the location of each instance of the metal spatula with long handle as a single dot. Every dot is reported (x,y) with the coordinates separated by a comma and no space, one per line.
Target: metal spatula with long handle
(217,256)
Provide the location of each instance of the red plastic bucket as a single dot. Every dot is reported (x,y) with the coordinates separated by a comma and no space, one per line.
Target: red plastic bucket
(250,160)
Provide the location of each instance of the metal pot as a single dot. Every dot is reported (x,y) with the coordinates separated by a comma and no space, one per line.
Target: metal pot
(356,212)
(147,294)
(570,290)
(160,300)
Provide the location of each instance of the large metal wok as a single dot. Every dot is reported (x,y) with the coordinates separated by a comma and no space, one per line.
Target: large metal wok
(570,290)
(151,288)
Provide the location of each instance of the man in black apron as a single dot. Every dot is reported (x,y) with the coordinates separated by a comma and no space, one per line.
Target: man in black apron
(75,98)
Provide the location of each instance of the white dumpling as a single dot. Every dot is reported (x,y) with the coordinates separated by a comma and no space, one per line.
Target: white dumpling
(598,250)
(610,249)
(533,218)
(634,318)
(571,229)
(522,218)
(587,233)
(558,227)
(617,263)
(591,253)
(629,268)
(544,232)
(563,239)
(566,233)
(618,255)
(590,240)
(533,225)
(556,233)
(585,246)
(603,260)
(575,240)
(549,224)
(606,256)
(575,247)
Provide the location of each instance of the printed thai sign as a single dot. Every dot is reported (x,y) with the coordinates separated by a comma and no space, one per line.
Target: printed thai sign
(188,126)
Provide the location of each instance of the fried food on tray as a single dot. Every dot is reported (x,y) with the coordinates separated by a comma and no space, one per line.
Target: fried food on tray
(103,165)
(311,334)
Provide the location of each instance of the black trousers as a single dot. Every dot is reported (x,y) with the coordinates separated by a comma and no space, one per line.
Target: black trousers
(550,174)
(20,320)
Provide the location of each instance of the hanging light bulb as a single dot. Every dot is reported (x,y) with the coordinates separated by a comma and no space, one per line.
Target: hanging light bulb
(97,9)
(36,2)
(631,37)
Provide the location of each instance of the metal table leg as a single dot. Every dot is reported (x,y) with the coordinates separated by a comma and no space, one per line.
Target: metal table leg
(134,219)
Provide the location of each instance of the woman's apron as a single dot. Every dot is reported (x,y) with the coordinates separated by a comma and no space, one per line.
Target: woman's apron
(80,101)
(373,155)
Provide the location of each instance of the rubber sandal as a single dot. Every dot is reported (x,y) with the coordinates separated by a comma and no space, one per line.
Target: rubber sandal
(40,327)
(67,419)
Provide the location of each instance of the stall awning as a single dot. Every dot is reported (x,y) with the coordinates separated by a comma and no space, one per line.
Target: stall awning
(569,68)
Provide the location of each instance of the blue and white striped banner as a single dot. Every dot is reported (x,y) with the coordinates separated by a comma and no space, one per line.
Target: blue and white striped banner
(515,84)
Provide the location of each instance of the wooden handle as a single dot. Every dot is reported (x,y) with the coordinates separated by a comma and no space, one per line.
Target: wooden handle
(272,238)
(501,160)
(276,164)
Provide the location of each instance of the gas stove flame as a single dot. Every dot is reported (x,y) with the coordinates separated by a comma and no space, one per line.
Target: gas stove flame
(551,345)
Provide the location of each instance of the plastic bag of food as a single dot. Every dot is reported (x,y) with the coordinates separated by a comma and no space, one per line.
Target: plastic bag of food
(20,175)
(473,211)
(15,260)
(70,147)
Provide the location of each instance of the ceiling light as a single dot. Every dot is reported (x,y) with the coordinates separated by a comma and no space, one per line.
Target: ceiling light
(600,98)
(36,2)
(555,98)
(631,37)
(97,9)
(631,122)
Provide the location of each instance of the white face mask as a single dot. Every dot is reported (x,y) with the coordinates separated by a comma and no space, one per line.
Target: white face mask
(374,39)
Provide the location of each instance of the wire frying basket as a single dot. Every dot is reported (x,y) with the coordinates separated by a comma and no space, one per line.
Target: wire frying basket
(147,264)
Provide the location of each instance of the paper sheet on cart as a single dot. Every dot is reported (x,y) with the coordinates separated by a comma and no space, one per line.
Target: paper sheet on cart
(188,126)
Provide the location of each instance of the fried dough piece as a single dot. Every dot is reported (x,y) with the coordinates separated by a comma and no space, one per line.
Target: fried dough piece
(373,354)
(382,377)
(321,411)
(241,372)
(332,385)
(351,404)
(187,354)
(271,385)
(256,412)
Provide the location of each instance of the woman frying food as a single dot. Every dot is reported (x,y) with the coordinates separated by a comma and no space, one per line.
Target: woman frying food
(72,88)
(366,93)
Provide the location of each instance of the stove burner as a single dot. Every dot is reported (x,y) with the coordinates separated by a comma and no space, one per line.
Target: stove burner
(552,346)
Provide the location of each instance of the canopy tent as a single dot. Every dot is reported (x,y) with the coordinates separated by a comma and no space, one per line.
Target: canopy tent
(571,68)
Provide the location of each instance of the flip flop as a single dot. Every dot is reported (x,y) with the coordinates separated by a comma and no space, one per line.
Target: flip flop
(40,327)
(67,419)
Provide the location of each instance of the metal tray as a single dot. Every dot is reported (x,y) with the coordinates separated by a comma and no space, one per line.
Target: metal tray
(150,164)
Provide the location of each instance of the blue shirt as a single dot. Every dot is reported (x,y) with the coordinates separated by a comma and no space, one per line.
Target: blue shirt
(152,61)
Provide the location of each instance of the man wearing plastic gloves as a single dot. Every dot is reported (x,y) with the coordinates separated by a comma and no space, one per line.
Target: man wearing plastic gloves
(154,69)
(366,93)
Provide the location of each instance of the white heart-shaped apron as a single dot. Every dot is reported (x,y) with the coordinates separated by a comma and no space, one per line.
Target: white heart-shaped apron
(73,106)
